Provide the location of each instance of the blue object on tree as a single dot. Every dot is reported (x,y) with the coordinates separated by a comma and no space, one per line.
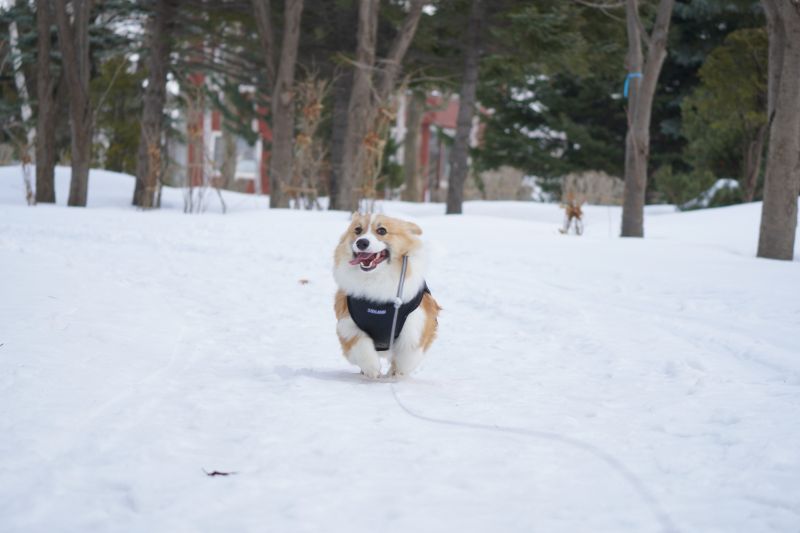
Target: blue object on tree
(628,82)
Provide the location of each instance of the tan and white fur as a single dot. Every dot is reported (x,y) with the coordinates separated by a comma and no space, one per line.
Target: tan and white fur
(390,239)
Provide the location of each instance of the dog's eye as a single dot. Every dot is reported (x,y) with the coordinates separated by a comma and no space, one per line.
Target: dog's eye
(381,231)
(358,230)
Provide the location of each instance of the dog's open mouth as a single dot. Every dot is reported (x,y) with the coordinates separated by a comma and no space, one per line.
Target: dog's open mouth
(368,261)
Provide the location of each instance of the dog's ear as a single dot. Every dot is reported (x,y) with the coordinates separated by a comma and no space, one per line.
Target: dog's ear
(355,215)
(413,228)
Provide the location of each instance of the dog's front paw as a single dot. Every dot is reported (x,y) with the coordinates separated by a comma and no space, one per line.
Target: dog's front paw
(404,363)
(395,374)
(371,373)
(363,355)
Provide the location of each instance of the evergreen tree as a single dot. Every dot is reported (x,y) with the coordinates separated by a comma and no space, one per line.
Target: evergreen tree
(725,117)
(557,110)
(116,94)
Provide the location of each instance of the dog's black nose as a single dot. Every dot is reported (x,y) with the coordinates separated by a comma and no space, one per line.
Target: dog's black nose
(362,244)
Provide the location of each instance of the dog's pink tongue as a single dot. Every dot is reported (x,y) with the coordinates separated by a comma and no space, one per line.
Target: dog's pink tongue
(363,256)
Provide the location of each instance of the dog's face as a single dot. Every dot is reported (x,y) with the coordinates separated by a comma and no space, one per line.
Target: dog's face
(372,241)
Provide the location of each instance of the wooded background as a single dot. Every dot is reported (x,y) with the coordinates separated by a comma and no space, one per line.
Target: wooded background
(669,95)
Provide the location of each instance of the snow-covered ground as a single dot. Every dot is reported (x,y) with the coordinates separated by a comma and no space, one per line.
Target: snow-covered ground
(578,384)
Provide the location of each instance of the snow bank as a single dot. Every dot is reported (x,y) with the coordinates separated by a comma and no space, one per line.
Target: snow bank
(578,384)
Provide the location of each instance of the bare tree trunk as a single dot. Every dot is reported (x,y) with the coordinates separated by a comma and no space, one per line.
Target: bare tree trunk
(635,152)
(754,153)
(61,106)
(358,109)
(196,171)
(149,159)
(342,87)
(394,61)
(74,44)
(459,156)
(262,11)
(782,180)
(228,169)
(25,139)
(366,94)
(642,80)
(282,108)
(416,109)
(45,120)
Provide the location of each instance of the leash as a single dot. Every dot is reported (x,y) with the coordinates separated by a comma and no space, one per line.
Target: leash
(398,301)
(664,519)
(648,498)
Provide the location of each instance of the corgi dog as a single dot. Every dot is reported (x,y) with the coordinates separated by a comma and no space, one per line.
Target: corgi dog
(367,266)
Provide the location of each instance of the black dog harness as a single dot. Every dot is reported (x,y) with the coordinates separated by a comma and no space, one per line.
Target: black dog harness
(375,318)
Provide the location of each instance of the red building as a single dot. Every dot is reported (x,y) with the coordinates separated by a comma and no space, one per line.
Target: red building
(434,157)
(205,148)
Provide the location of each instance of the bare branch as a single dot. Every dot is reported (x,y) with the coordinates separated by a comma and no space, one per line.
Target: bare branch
(601,5)
(399,48)
(663,16)
(262,13)
(102,99)
(642,31)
